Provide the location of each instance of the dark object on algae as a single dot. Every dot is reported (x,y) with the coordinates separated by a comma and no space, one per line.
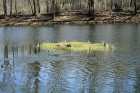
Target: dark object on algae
(68,45)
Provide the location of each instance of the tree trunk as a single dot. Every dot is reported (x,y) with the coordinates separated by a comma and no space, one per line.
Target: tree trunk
(38,6)
(134,2)
(91,8)
(47,7)
(11,6)
(5,7)
(15,7)
(34,5)
(135,7)
(53,8)
(29,1)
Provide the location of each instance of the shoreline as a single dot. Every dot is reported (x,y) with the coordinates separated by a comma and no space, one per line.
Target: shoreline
(72,19)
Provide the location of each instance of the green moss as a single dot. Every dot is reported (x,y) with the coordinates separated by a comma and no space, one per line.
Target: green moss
(77,46)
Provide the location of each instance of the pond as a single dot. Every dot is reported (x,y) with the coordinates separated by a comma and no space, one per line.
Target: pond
(26,69)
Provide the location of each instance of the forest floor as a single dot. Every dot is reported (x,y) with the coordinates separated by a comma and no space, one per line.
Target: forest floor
(100,18)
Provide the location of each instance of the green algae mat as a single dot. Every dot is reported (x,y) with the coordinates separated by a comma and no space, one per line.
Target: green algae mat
(77,46)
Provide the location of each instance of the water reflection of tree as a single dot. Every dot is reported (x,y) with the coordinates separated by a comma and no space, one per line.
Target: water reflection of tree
(55,83)
(119,73)
(34,46)
(33,77)
(93,76)
(137,85)
(8,77)
(91,36)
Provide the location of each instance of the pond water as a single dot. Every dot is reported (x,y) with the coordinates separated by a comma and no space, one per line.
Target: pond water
(26,69)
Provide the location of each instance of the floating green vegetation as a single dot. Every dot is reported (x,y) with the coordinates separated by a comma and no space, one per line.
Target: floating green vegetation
(77,46)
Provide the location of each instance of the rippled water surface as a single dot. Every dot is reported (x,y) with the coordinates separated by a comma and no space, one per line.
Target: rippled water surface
(27,69)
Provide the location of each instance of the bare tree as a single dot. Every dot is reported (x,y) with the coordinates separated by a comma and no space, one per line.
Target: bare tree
(36,7)
(55,6)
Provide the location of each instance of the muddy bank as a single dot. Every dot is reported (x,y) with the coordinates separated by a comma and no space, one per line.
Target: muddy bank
(68,19)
